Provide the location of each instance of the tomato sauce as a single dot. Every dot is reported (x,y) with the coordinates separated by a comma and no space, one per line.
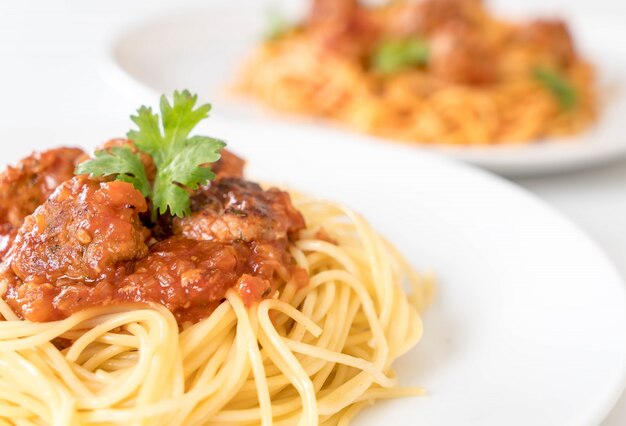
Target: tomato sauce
(90,244)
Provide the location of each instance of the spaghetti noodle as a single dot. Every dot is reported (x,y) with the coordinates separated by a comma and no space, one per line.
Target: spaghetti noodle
(309,355)
(430,71)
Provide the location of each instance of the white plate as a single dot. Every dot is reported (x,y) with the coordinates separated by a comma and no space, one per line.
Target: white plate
(202,49)
(528,327)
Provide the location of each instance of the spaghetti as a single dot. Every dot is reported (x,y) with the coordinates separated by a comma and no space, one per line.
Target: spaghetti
(313,354)
(430,71)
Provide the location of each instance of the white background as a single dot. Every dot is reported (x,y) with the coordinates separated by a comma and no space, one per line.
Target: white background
(50,78)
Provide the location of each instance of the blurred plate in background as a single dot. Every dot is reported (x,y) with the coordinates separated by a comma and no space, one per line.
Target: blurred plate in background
(202,49)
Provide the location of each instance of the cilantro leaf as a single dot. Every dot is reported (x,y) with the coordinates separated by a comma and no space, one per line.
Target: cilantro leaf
(186,169)
(182,161)
(120,162)
(557,84)
(189,161)
(169,197)
(399,54)
(180,118)
(148,138)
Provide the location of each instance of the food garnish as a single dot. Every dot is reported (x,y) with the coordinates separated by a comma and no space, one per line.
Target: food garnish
(395,55)
(558,85)
(182,161)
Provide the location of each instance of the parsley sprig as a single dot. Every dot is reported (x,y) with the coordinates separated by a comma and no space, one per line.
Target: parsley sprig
(181,160)
(556,83)
(394,55)
(121,162)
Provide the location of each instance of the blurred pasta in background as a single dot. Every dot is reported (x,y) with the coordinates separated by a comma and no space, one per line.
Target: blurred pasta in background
(430,71)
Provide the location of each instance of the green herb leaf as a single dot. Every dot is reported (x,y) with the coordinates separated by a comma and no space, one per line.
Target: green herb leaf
(395,55)
(180,118)
(120,162)
(182,162)
(277,24)
(198,151)
(148,138)
(169,196)
(186,169)
(558,85)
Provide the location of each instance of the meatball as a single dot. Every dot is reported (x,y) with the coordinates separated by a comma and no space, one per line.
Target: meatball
(458,55)
(332,12)
(184,274)
(233,209)
(551,36)
(84,230)
(24,187)
(426,17)
(342,27)
(191,277)
(229,165)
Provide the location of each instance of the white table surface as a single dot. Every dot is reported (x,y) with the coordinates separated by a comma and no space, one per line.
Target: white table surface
(50,78)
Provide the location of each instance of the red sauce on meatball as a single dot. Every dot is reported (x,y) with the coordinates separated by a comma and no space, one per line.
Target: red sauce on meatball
(87,245)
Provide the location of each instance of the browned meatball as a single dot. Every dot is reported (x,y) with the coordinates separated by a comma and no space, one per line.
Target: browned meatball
(233,209)
(80,234)
(551,36)
(332,12)
(342,27)
(426,17)
(178,268)
(229,165)
(458,55)
(32,180)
